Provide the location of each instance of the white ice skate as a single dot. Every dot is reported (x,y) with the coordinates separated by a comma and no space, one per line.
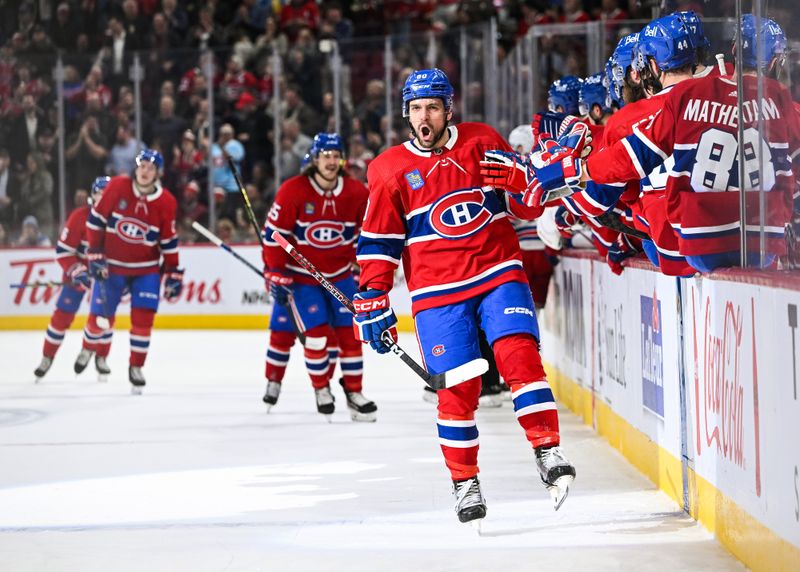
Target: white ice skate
(272,394)
(136,377)
(101,365)
(361,408)
(470,504)
(325,402)
(83,360)
(556,472)
(42,369)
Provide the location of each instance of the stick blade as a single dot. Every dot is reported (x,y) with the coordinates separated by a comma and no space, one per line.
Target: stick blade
(460,374)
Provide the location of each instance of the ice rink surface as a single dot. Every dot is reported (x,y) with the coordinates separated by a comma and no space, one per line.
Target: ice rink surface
(194,475)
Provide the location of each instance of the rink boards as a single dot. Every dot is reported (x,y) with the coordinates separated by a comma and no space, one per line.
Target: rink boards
(219,291)
(695,382)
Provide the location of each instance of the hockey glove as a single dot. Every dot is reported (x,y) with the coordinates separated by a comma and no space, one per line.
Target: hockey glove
(173,283)
(279,285)
(374,316)
(565,220)
(78,276)
(558,170)
(505,170)
(622,249)
(547,124)
(98,266)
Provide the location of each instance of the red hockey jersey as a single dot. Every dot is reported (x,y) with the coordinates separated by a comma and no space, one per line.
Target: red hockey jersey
(72,242)
(132,229)
(323,225)
(428,208)
(698,126)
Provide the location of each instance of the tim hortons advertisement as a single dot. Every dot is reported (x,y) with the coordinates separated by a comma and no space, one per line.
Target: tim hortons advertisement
(215,283)
(741,358)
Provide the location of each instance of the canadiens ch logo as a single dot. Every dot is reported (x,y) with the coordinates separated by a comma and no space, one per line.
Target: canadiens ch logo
(438,350)
(131,230)
(325,234)
(459,214)
(415,180)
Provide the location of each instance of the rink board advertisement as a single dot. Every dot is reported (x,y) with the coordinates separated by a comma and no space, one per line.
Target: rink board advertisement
(741,343)
(219,291)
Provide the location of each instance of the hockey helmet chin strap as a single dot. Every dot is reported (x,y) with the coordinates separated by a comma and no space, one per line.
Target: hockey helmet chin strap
(650,81)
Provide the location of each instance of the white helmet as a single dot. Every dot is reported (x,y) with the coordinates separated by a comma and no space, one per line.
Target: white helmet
(521,136)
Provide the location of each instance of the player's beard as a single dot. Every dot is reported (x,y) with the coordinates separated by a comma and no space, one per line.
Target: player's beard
(633,92)
(436,135)
(327,176)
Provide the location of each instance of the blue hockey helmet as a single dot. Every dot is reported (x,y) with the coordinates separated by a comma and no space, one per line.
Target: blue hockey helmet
(99,185)
(151,156)
(694,24)
(326,142)
(305,162)
(773,42)
(427,83)
(667,41)
(564,93)
(622,58)
(593,91)
(613,90)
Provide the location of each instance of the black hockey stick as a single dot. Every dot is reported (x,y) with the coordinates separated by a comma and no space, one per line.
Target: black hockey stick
(218,241)
(614,223)
(438,381)
(251,216)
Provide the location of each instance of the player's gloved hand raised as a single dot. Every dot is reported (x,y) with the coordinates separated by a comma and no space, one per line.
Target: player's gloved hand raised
(558,170)
(173,283)
(506,170)
(548,124)
(98,266)
(374,316)
(78,276)
(279,285)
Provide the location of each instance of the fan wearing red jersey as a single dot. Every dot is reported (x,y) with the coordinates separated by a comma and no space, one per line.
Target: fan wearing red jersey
(130,230)
(320,211)
(428,209)
(71,256)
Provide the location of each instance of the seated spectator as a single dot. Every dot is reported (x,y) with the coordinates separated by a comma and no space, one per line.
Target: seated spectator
(31,235)
(190,206)
(122,159)
(225,230)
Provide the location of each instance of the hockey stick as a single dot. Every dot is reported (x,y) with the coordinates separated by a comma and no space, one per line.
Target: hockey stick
(218,241)
(438,381)
(614,223)
(251,216)
(47,284)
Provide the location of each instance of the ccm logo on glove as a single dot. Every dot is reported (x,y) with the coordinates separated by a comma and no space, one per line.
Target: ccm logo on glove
(371,305)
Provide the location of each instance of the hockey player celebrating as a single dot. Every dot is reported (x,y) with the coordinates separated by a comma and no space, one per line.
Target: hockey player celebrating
(71,256)
(130,229)
(321,211)
(464,270)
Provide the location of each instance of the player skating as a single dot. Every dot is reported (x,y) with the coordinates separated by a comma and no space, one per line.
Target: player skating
(71,256)
(130,229)
(464,270)
(321,212)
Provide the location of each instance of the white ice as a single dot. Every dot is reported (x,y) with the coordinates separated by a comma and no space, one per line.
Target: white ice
(195,475)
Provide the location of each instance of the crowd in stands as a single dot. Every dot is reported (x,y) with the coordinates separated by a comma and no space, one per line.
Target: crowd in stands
(96,41)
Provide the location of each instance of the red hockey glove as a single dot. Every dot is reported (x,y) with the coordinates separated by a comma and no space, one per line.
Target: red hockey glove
(279,285)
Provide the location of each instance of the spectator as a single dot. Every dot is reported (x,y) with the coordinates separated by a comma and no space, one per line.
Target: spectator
(134,24)
(115,55)
(299,13)
(36,192)
(86,152)
(225,230)
(167,127)
(190,206)
(95,108)
(3,235)
(227,146)
(24,130)
(237,81)
(189,161)
(46,143)
(63,29)
(122,159)
(158,45)
(7,193)
(358,149)
(373,106)
(206,34)
(31,236)
(295,109)
(573,12)
(294,146)
(176,18)
(341,27)
(272,41)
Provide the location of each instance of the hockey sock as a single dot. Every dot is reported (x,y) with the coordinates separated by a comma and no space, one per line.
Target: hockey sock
(534,405)
(333,353)
(95,338)
(141,326)
(278,348)
(59,324)
(316,355)
(458,433)
(351,360)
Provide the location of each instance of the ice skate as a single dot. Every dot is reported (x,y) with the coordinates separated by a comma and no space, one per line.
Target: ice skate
(325,401)
(361,408)
(470,504)
(556,471)
(42,368)
(83,360)
(101,365)
(430,395)
(136,377)
(272,394)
